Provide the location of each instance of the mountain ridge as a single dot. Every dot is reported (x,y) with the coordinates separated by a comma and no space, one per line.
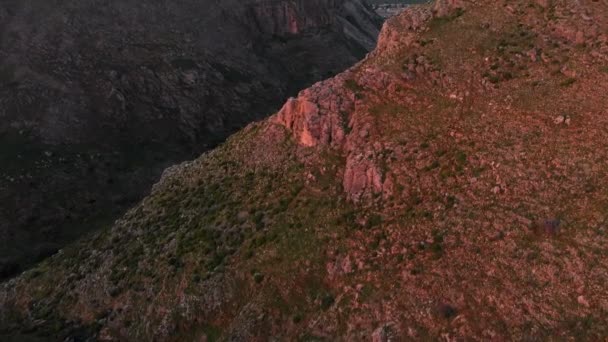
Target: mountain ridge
(447,186)
(97,99)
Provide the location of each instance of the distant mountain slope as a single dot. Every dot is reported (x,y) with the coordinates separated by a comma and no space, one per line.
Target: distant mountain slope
(412,2)
(97,97)
(449,186)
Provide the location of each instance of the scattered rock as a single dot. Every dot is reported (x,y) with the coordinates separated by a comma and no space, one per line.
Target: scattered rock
(568,72)
(533,54)
(562,119)
(582,301)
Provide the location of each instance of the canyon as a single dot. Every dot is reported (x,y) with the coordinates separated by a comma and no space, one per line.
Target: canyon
(98,98)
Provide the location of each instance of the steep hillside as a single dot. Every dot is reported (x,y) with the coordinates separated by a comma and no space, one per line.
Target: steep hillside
(449,186)
(97,98)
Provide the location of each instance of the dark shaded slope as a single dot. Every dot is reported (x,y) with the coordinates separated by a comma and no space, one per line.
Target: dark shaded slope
(98,97)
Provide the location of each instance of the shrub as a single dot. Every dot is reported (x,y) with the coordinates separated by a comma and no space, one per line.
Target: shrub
(327,301)
(568,82)
(258,277)
(353,86)
(374,220)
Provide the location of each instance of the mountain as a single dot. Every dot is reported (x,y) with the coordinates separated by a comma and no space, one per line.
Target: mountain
(449,186)
(98,97)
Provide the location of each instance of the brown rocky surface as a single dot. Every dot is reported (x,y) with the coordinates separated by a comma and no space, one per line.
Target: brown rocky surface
(447,187)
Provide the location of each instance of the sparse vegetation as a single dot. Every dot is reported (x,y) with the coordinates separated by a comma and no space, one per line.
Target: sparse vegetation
(568,82)
(353,86)
(446,189)
(327,300)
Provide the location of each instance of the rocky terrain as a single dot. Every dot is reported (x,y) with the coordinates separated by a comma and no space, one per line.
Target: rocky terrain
(96,99)
(450,186)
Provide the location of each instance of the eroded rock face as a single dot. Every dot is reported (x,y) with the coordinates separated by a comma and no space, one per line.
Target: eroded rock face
(302,116)
(362,175)
(95,101)
(319,115)
(330,115)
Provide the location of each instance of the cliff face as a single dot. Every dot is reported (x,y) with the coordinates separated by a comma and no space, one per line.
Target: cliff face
(448,186)
(96,99)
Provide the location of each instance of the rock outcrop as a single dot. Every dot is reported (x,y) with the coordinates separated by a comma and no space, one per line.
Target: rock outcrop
(319,115)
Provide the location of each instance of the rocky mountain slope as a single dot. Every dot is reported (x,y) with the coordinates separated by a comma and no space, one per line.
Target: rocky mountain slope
(449,186)
(97,98)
